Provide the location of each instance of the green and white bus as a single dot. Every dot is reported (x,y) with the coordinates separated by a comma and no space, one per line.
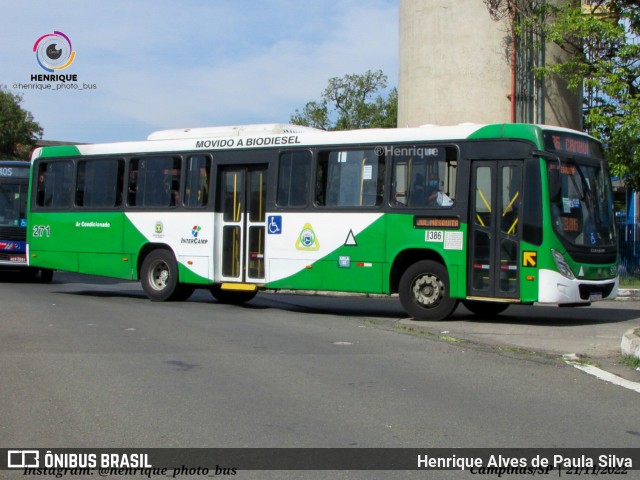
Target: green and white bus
(486,215)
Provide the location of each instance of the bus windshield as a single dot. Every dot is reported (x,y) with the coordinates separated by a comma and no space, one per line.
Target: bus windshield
(13,204)
(581,202)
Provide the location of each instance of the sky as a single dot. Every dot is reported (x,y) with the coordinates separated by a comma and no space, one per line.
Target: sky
(160,64)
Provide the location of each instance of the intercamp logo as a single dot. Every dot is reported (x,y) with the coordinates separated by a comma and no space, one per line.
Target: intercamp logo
(196,238)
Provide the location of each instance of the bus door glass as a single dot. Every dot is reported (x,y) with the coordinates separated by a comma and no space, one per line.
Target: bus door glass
(495,229)
(243,201)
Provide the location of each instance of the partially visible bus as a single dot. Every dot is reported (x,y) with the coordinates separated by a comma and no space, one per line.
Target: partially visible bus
(485,215)
(14,185)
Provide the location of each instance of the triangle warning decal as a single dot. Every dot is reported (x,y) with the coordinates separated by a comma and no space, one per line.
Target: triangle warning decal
(351,240)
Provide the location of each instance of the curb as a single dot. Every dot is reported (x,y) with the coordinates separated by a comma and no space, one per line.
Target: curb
(630,344)
(628,293)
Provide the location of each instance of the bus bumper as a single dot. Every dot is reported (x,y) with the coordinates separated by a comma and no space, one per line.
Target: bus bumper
(558,289)
(13,260)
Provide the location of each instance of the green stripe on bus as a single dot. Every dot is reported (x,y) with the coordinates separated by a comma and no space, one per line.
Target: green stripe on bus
(518,131)
(60,151)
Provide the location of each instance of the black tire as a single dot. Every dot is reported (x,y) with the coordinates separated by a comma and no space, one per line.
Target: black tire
(231,296)
(159,275)
(424,291)
(46,275)
(485,309)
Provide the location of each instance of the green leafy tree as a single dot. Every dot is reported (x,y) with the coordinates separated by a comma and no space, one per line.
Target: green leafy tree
(605,62)
(351,102)
(18,130)
(314,114)
(602,40)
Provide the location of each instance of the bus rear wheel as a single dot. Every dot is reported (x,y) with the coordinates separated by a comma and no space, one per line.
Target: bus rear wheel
(231,296)
(159,275)
(485,309)
(424,291)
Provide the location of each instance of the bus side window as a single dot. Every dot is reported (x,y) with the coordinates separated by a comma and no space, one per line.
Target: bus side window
(423,176)
(532,221)
(55,181)
(294,173)
(154,182)
(351,178)
(99,182)
(40,188)
(196,193)
(132,188)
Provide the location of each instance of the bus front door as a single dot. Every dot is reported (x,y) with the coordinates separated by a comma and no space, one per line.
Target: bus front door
(240,254)
(495,230)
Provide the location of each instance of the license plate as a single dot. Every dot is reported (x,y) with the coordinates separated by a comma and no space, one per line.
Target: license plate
(595,296)
(18,259)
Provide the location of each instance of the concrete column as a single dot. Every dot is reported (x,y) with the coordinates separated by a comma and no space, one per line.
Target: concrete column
(455,67)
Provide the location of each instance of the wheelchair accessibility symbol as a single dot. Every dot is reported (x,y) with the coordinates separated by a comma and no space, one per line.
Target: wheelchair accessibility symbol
(274,224)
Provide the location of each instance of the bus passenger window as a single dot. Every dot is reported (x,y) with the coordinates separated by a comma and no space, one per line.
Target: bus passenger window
(55,181)
(423,176)
(351,178)
(99,183)
(154,182)
(132,190)
(294,174)
(196,192)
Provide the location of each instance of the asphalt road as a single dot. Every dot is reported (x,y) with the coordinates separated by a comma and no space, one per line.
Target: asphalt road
(88,362)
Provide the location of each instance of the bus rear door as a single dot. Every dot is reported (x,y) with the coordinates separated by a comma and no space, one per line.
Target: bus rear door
(240,252)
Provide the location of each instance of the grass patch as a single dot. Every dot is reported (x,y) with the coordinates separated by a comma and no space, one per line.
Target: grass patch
(448,338)
(517,350)
(426,333)
(631,361)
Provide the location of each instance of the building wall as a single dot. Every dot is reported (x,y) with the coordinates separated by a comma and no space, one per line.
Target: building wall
(455,67)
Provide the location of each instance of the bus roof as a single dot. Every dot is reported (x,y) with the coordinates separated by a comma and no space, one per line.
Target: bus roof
(284,135)
(231,131)
(15,163)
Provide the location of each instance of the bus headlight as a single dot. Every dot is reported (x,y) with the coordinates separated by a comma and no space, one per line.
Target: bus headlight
(563,266)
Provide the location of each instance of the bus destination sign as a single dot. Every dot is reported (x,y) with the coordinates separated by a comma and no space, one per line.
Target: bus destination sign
(14,172)
(570,143)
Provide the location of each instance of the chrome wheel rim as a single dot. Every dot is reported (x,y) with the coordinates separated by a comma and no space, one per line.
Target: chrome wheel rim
(159,275)
(427,290)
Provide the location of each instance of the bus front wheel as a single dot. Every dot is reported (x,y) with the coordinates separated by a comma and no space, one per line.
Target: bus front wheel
(424,291)
(159,275)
